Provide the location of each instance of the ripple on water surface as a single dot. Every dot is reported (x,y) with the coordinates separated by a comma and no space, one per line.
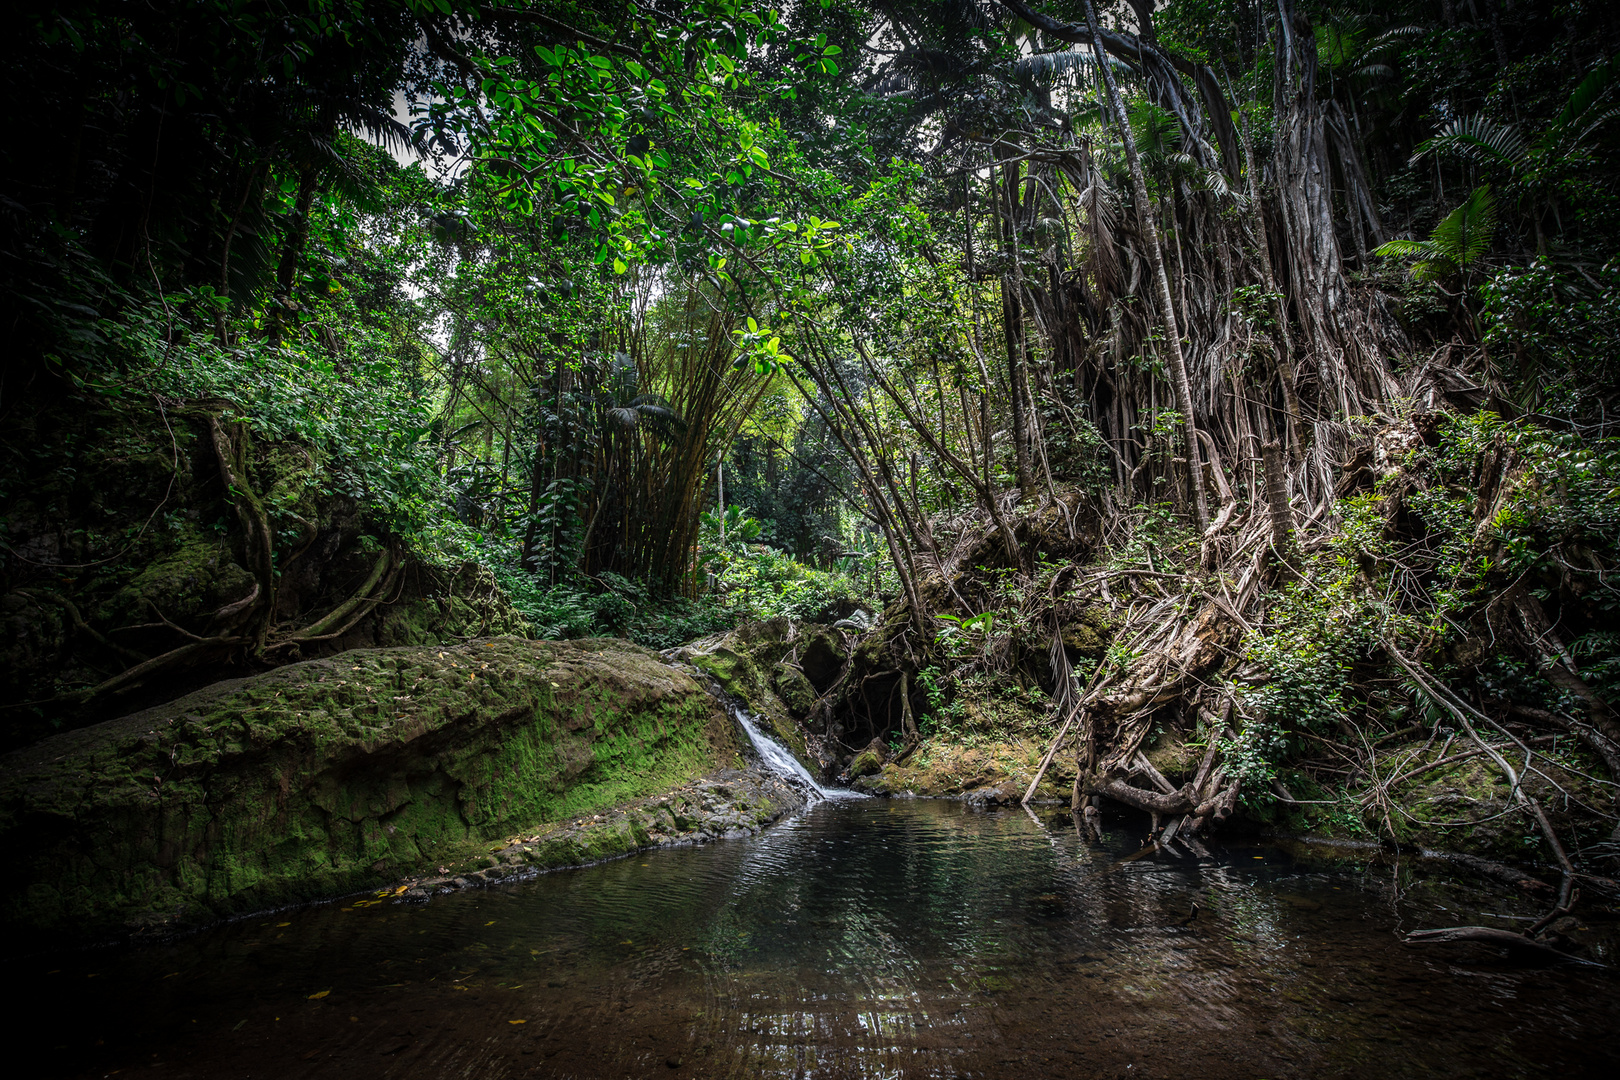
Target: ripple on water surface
(863,938)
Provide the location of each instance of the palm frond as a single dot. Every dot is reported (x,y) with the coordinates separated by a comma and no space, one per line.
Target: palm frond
(381,128)
(1480,139)
(1464,235)
(1602,118)
(1157,131)
(1394,36)
(1585,94)
(1046,69)
(1407,249)
(1459,242)
(1214,181)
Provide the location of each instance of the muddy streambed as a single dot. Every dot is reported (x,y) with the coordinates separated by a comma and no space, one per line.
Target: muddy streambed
(861,939)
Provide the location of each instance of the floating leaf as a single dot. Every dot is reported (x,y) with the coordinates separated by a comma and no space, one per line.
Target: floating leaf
(317,995)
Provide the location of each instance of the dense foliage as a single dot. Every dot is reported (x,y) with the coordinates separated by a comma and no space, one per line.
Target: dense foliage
(667,315)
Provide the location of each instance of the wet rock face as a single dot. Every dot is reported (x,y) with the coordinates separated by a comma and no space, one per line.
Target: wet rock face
(336,774)
(773,667)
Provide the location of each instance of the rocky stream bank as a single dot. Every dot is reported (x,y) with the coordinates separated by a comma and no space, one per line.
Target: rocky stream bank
(428,767)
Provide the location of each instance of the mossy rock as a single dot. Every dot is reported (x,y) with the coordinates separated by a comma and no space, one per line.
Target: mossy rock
(821,656)
(866,763)
(886,780)
(737,661)
(1174,757)
(1465,806)
(337,774)
(198,577)
(1087,632)
(794,689)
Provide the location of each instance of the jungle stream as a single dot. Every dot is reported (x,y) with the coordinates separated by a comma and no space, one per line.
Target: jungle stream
(861,938)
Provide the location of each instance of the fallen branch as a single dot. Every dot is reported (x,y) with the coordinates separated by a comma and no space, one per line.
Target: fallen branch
(1490,935)
(1486,868)
(1151,801)
(1461,710)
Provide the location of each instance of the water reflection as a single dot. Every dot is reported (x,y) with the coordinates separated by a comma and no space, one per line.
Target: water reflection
(865,938)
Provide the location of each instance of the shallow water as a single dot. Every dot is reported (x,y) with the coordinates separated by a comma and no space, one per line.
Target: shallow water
(862,939)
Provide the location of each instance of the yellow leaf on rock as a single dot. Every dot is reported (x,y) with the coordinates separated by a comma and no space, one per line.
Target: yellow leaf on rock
(517,1021)
(317,995)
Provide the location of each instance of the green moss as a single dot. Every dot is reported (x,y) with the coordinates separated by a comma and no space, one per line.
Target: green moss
(793,688)
(338,774)
(196,577)
(866,763)
(1088,632)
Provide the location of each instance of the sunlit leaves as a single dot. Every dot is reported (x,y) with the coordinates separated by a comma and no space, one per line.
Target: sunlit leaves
(652,151)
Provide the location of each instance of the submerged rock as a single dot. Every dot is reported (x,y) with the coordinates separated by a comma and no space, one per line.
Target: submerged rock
(338,774)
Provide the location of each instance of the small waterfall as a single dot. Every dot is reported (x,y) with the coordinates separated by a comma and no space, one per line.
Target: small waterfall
(779,760)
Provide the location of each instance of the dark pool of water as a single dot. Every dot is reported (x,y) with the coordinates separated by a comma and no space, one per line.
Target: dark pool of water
(863,939)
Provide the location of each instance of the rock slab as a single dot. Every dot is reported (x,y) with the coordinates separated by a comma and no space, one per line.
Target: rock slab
(336,775)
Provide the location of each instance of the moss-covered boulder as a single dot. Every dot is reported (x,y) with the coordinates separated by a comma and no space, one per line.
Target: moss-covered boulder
(336,774)
(821,656)
(793,688)
(198,576)
(128,547)
(1086,630)
(869,761)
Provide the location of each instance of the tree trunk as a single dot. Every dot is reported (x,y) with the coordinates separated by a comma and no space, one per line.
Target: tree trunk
(292,251)
(1150,238)
(1012,317)
(1279,309)
(1282,519)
